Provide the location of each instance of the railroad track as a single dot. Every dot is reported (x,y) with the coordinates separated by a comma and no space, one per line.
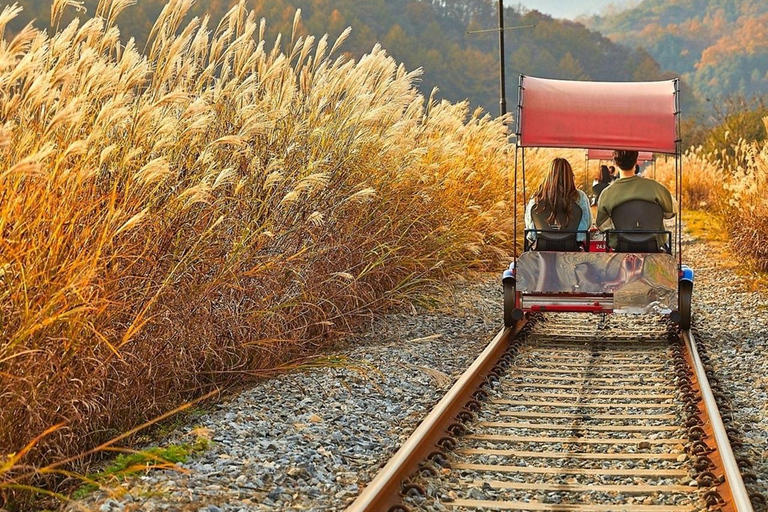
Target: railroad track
(568,414)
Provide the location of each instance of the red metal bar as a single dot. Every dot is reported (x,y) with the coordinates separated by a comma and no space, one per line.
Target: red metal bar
(575,308)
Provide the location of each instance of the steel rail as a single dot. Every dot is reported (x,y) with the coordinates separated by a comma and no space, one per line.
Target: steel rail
(739,495)
(384,493)
(384,490)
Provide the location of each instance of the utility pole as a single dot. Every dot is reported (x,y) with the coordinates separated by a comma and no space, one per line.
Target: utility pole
(502,76)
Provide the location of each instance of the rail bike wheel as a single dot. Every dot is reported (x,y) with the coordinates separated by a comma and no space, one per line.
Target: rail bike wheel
(685,297)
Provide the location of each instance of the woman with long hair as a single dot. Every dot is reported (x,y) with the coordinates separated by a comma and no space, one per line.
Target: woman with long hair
(559,203)
(603,179)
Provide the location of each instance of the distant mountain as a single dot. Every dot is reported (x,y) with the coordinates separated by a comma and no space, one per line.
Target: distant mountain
(719,46)
(431,34)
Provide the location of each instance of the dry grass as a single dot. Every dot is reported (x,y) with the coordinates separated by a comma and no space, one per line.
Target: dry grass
(172,220)
(706,228)
(731,185)
(747,206)
(703,183)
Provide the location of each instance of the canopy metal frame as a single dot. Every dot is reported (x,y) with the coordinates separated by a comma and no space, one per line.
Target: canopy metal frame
(519,170)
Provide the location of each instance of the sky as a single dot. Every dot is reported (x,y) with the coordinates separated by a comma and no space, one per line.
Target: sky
(570,9)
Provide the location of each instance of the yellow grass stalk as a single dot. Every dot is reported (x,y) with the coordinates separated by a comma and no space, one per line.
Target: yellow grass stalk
(213,208)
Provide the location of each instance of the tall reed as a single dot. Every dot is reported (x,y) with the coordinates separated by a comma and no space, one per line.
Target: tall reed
(175,218)
(730,183)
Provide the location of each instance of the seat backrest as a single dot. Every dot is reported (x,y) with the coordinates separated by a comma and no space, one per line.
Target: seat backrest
(565,238)
(598,188)
(637,215)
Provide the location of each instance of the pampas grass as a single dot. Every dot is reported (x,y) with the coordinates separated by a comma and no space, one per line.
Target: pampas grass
(174,218)
(730,184)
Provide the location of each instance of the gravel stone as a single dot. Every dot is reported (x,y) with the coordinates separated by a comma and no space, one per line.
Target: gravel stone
(730,309)
(311,440)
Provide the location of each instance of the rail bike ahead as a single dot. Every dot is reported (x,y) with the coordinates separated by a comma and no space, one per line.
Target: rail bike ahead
(633,273)
(606,155)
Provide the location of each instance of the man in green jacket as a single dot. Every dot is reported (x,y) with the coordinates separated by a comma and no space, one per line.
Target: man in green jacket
(631,186)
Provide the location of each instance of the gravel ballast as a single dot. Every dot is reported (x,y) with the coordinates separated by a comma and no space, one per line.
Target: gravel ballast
(312,439)
(732,321)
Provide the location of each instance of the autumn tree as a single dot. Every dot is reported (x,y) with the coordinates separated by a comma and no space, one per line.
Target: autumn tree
(427,34)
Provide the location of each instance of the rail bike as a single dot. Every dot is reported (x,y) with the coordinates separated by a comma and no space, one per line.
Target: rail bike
(634,273)
(607,154)
(644,158)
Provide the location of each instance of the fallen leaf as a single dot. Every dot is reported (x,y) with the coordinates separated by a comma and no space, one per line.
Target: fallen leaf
(204,432)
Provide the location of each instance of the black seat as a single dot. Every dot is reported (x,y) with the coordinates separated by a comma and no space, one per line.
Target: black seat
(646,218)
(560,236)
(597,189)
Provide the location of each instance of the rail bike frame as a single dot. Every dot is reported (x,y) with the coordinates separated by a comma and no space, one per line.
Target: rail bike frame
(601,117)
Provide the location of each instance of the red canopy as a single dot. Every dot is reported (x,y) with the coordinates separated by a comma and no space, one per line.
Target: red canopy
(607,115)
(607,154)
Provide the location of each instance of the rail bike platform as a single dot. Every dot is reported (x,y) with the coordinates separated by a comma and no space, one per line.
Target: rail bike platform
(598,282)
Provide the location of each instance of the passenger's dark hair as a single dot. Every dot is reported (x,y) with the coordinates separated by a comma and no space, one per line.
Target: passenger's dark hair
(604,176)
(558,191)
(626,160)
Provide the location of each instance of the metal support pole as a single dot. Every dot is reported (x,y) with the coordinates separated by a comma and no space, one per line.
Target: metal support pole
(514,208)
(502,76)
(502,80)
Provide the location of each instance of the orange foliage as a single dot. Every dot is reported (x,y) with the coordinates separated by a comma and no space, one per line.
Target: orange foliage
(751,38)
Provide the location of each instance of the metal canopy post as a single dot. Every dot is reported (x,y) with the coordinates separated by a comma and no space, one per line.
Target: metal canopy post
(679,174)
(514,208)
(522,162)
(518,120)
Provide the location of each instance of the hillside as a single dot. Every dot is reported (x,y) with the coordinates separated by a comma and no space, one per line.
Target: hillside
(427,34)
(720,46)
